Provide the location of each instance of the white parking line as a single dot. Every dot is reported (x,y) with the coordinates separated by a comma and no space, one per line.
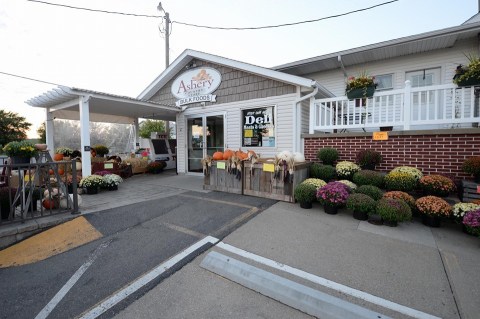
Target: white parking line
(328,283)
(145,279)
(76,276)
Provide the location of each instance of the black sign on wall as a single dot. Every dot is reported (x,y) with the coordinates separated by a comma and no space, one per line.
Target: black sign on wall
(258,127)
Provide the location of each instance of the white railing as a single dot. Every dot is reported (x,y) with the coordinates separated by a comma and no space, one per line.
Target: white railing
(410,108)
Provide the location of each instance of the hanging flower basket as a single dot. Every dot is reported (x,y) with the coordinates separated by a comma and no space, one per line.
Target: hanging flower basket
(362,92)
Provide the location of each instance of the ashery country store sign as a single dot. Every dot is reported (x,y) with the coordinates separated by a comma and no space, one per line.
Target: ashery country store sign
(195,86)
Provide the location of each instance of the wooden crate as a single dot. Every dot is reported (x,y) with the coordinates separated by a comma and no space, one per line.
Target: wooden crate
(260,183)
(470,191)
(221,180)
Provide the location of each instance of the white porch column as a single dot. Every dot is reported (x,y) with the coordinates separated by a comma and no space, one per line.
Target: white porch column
(49,131)
(85,134)
(137,135)
(407,106)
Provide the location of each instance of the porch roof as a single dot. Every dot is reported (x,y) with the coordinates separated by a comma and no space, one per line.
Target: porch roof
(423,42)
(64,104)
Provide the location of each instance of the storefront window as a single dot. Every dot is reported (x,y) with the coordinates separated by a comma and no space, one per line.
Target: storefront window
(258,128)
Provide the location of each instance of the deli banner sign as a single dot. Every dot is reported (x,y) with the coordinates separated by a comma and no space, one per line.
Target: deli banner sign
(197,85)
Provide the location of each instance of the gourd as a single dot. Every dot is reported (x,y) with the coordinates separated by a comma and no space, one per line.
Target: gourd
(227,154)
(58,157)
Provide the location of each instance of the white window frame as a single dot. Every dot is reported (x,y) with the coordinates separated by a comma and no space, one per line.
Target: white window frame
(386,88)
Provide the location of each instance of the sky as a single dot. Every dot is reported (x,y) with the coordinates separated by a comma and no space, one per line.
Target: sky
(122,55)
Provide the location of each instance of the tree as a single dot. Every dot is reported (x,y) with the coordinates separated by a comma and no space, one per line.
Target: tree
(148,126)
(13,127)
(42,133)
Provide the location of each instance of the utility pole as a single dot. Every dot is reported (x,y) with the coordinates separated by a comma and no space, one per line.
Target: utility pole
(167,34)
(167,49)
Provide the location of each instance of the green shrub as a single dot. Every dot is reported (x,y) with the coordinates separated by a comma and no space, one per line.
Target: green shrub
(400,181)
(361,203)
(370,190)
(395,210)
(328,155)
(305,193)
(101,150)
(325,172)
(368,158)
(367,177)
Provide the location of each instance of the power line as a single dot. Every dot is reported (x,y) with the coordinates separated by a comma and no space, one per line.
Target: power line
(96,10)
(218,28)
(31,79)
(285,24)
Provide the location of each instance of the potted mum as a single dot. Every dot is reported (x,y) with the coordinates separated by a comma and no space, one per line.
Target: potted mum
(156,167)
(91,183)
(400,181)
(436,185)
(362,205)
(403,196)
(323,172)
(368,177)
(362,86)
(472,166)
(346,169)
(393,211)
(111,181)
(471,221)
(317,182)
(305,194)
(460,209)
(370,190)
(328,155)
(433,209)
(368,159)
(351,186)
(332,196)
(65,151)
(20,152)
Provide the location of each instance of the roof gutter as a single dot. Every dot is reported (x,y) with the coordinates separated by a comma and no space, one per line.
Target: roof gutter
(296,133)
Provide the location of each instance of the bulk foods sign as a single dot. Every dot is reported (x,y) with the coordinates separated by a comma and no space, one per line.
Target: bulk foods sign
(196,86)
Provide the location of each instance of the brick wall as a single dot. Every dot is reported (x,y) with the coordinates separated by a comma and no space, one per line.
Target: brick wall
(439,152)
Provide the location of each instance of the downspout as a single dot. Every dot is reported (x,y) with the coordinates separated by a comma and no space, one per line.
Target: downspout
(297,126)
(343,66)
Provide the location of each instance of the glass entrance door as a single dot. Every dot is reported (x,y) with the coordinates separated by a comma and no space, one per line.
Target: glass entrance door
(205,136)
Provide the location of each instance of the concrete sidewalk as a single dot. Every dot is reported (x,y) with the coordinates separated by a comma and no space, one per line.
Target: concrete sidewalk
(434,271)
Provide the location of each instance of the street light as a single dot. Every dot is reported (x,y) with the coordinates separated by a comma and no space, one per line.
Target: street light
(167,34)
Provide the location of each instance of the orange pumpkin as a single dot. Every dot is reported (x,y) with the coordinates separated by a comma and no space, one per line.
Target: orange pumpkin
(227,154)
(217,156)
(241,155)
(61,171)
(58,157)
(48,204)
(51,172)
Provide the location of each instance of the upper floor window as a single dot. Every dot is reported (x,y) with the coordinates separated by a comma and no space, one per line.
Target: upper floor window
(384,81)
(425,77)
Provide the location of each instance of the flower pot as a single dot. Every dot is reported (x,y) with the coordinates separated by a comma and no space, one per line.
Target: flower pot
(390,223)
(306,205)
(113,188)
(331,210)
(360,215)
(92,190)
(476,179)
(375,219)
(431,221)
(359,93)
(20,159)
(369,166)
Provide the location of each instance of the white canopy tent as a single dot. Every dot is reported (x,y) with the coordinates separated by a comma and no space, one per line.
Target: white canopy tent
(84,105)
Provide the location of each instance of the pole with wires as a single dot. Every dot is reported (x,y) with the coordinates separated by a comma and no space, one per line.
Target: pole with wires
(167,34)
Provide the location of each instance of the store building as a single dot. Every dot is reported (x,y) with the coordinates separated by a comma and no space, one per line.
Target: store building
(235,105)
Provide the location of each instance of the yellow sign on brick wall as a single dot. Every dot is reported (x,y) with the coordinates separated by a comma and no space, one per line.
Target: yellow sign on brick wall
(380,136)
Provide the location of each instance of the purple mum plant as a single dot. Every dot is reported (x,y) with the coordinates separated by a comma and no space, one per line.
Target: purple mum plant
(471,220)
(333,194)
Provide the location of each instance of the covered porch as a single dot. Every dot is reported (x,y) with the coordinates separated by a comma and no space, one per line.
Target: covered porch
(90,106)
(436,107)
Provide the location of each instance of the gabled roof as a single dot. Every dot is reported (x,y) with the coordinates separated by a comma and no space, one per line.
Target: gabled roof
(418,43)
(187,55)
